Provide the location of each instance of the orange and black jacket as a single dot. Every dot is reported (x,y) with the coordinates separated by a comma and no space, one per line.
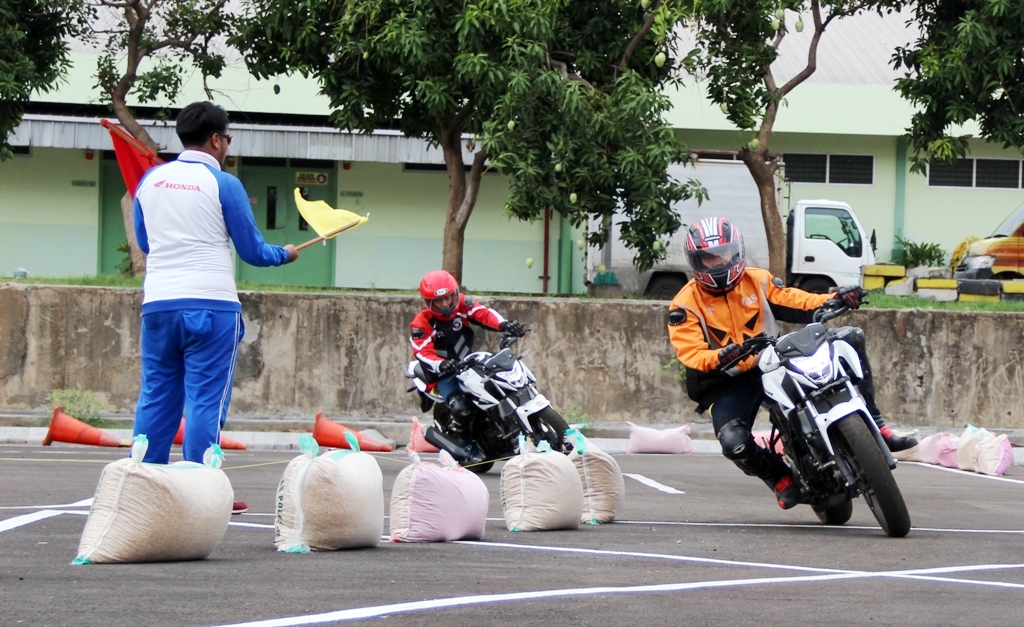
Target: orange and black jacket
(701,324)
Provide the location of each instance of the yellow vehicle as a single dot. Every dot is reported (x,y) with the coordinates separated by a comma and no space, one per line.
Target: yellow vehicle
(999,256)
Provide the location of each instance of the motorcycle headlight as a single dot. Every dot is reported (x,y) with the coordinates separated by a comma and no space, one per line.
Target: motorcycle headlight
(817,367)
(981,262)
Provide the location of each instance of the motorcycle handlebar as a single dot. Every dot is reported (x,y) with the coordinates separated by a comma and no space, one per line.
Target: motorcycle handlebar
(508,339)
(751,346)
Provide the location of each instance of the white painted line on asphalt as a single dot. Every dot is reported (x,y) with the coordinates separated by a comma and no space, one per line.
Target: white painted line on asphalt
(27,519)
(434,604)
(82,503)
(965,473)
(647,481)
(254,525)
(659,556)
(817,526)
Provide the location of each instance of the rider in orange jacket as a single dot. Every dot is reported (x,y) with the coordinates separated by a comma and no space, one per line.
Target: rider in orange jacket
(726,303)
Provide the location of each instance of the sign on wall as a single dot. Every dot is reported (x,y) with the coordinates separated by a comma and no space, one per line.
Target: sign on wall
(311,178)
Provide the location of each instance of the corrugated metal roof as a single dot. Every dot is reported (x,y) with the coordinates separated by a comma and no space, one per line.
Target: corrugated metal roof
(250,140)
(853,50)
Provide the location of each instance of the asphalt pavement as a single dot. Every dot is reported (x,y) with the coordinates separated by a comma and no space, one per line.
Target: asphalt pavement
(696,543)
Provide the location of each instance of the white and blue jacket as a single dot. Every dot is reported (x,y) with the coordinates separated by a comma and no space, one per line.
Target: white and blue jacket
(187,214)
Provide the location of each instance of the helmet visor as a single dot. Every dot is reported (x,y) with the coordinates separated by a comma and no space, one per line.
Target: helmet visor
(717,257)
(444,305)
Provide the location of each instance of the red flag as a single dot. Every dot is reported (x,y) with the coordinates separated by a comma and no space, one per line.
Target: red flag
(132,157)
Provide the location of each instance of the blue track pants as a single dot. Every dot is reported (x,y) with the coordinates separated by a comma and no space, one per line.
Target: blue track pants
(188,365)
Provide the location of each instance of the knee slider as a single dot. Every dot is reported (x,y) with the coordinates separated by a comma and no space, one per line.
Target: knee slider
(736,440)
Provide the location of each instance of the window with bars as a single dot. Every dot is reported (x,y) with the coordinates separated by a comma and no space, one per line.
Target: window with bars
(991,173)
(827,168)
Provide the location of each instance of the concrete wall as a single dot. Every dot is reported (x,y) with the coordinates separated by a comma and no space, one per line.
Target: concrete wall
(597,360)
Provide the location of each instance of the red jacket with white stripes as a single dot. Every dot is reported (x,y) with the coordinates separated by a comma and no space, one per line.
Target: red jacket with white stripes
(434,339)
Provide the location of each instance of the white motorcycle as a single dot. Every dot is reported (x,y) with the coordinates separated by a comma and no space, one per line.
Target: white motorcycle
(506,404)
(832,446)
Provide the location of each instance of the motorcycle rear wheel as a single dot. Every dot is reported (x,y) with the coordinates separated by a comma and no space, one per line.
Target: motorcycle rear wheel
(836,515)
(878,486)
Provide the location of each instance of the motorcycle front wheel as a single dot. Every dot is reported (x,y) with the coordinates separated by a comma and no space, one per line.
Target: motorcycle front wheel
(549,425)
(878,486)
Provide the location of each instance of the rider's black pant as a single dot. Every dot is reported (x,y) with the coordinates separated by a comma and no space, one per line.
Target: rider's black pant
(733,415)
(854,336)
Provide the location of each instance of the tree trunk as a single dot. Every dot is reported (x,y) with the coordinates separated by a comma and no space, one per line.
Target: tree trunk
(461,198)
(763,173)
(135,253)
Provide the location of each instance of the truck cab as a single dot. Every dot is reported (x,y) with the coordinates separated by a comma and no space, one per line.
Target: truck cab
(826,246)
(1000,255)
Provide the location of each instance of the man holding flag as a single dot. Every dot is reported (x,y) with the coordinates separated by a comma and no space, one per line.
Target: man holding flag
(187,213)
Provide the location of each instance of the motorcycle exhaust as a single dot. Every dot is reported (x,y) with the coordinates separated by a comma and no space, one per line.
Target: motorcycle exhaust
(440,440)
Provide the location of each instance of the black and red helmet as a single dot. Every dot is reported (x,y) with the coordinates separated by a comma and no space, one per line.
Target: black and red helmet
(714,248)
(435,288)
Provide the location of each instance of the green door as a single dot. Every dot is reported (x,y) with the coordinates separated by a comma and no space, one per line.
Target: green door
(112,235)
(271,190)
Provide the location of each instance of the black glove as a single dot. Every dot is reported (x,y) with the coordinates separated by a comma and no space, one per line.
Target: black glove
(448,367)
(850,296)
(512,327)
(729,354)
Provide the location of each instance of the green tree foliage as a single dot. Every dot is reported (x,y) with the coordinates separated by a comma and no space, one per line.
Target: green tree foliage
(34,54)
(564,97)
(967,65)
(736,43)
(147,46)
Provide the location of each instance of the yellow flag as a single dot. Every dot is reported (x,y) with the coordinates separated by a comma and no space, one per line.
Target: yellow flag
(325,219)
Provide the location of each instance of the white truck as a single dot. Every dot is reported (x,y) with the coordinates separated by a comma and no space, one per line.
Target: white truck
(826,245)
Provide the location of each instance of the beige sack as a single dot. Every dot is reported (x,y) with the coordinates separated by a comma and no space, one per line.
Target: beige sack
(156,513)
(334,501)
(965,447)
(541,492)
(604,489)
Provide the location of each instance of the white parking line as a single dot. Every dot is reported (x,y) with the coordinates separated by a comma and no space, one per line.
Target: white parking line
(436,604)
(965,473)
(815,526)
(647,481)
(27,519)
(83,503)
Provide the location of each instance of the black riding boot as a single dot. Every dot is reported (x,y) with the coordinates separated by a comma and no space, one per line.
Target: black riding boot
(739,446)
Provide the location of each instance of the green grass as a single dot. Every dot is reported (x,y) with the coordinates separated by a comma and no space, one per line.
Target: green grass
(879,300)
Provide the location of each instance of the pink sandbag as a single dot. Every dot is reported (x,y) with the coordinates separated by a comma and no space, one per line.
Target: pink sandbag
(994,456)
(932,447)
(946,449)
(763,439)
(431,503)
(650,440)
(417,443)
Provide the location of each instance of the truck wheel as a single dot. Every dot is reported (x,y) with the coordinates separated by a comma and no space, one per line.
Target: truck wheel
(665,287)
(816,285)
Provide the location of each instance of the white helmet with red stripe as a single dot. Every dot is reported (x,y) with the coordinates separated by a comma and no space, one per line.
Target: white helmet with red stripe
(714,248)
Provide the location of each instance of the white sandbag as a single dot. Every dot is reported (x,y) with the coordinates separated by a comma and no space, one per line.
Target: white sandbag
(969,440)
(438,503)
(541,491)
(994,455)
(334,501)
(156,512)
(649,440)
(912,454)
(604,489)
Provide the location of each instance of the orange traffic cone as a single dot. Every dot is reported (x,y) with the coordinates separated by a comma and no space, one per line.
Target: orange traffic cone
(331,434)
(65,428)
(225,441)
